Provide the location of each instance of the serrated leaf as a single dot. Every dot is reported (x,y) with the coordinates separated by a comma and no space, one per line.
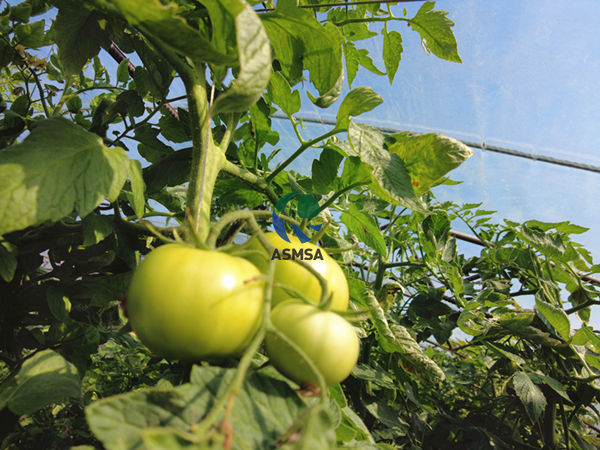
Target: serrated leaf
(365,228)
(254,55)
(352,58)
(43,379)
(554,316)
(325,169)
(392,53)
(428,157)
(162,24)
(300,42)
(396,339)
(136,179)
(282,94)
(436,33)
(562,227)
(8,260)
(121,421)
(78,35)
(531,396)
(546,243)
(367,62)
(390,179)
(58,168)
(359,100)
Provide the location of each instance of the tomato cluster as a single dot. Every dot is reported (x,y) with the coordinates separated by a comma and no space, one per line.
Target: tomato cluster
(191,304)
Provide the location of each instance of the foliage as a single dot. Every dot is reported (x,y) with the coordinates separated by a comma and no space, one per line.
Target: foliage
(490,350)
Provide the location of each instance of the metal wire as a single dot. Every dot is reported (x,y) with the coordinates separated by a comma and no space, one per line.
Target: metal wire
(328,5)
(482,146)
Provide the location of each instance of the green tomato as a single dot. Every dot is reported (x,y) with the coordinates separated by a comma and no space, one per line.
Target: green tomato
(192,304)
(292,274)
(326,338)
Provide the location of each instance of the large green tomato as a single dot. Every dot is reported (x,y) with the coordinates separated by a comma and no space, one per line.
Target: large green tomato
(325,337)
(192,304)
(289,273)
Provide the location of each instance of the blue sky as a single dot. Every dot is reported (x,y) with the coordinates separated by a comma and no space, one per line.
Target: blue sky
(528,81)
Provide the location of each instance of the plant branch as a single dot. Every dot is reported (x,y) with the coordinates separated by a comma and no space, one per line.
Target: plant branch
(300,150)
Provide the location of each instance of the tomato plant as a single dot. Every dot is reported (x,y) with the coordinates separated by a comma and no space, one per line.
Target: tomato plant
(328,340)
(289,274)
(136,183)
(191,304)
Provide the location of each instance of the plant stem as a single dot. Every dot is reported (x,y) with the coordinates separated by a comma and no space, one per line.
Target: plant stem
(300,150)
(207,157)
(334,196)
(250,178)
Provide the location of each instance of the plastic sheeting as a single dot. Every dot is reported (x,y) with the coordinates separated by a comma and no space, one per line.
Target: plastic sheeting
(528,81)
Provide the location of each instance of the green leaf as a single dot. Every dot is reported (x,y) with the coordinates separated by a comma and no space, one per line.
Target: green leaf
(501,351)
(162,24)
(328,98)
(150,147)
(263,410)
(352,427)
(428,157)
(96,228)
(58,168)
(325,169)
(359,100)
(123,71)
(436,33)
(555,385)
(396,339)
(585,335)
(78,35)
(31,35)
(374,373)
(20,12)
(554,316)
(58,303)
(387,416)
(392,52)
(282,94)
(8,260)
(530,395)
(365,228)
(74,104)
(352,58)
(175,130)
(138,201)
(562,227)
(365,60)
(43,379)
(301,42)
(390,179)
(546,243)
(254,54)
